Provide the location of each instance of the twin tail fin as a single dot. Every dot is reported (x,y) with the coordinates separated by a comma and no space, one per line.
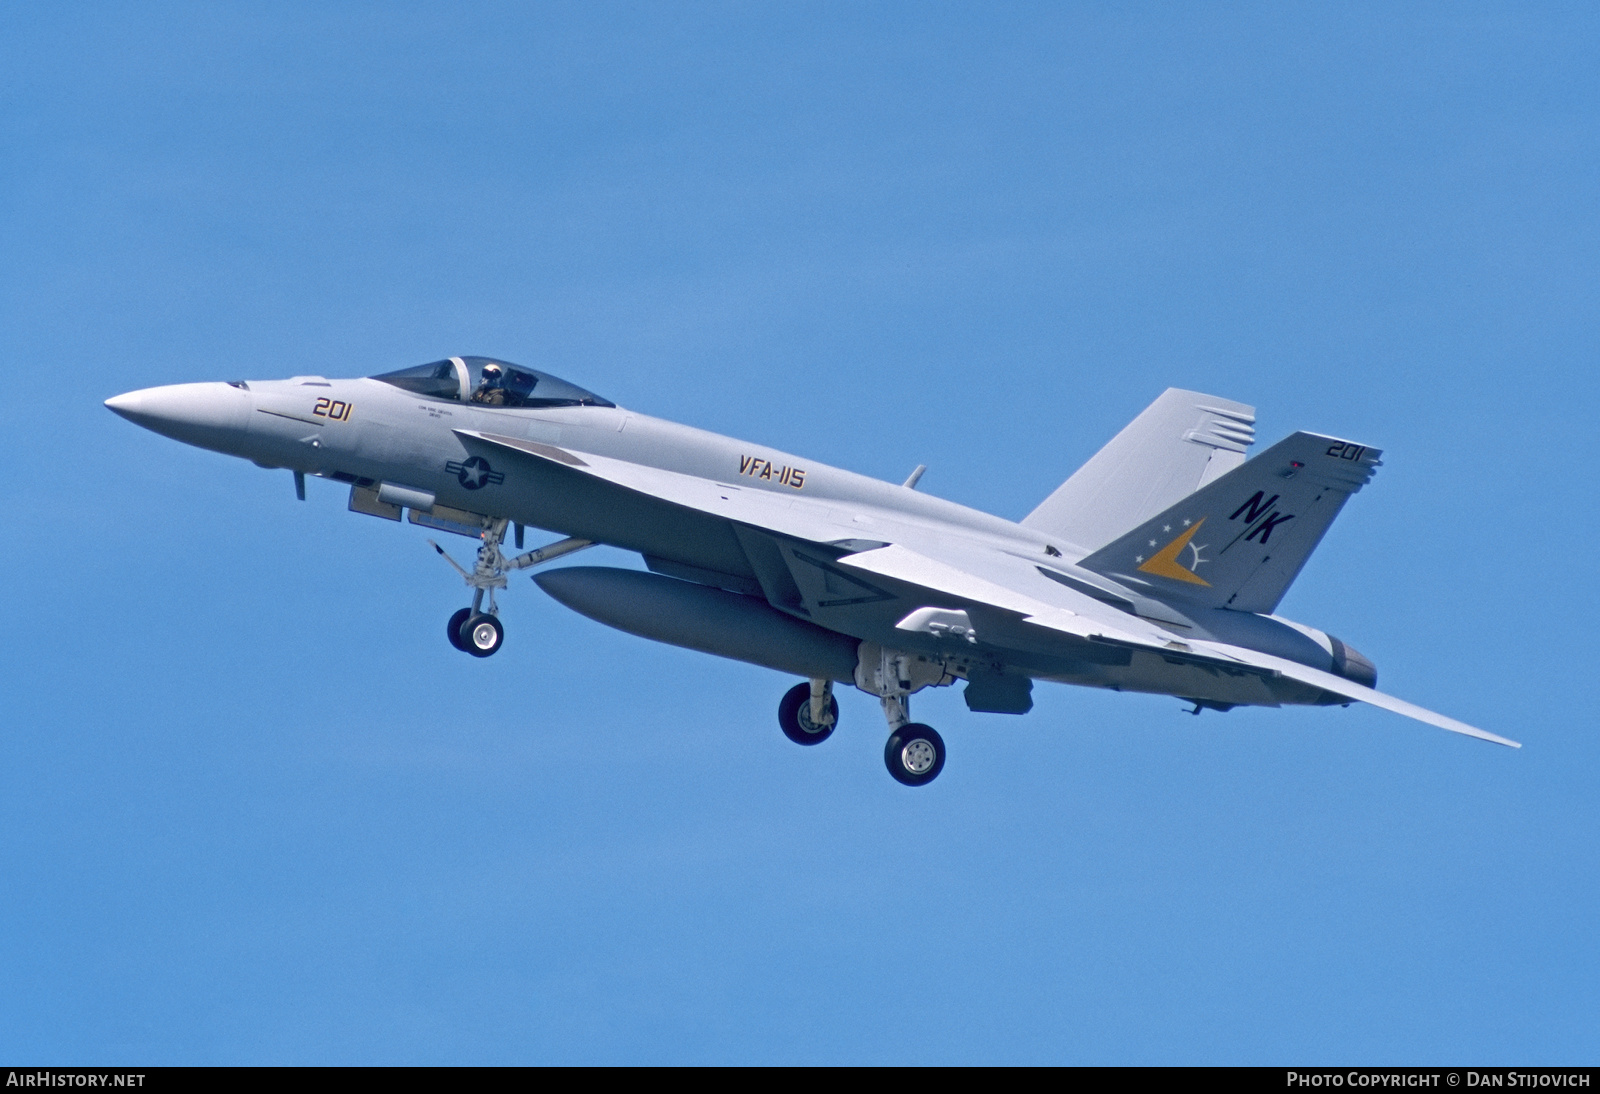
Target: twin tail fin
(1240,541)
(1181,442)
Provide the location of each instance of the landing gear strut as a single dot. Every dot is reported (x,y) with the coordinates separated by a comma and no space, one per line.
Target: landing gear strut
(473,630)
(914,753)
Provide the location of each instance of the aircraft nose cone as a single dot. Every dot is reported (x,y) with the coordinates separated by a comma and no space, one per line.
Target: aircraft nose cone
(210,415)
(127,404)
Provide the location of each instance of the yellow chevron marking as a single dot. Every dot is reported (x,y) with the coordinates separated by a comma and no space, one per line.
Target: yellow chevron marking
(1164,563)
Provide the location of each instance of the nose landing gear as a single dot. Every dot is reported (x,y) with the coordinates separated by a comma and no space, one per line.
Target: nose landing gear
(477,633)
(452,629)
(473,630)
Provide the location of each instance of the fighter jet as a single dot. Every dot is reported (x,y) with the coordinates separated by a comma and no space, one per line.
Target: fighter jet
(1156,567)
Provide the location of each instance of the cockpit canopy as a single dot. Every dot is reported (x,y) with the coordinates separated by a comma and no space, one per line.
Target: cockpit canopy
(489,382)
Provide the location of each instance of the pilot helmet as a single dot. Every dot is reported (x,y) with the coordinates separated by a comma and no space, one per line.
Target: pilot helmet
(493,372)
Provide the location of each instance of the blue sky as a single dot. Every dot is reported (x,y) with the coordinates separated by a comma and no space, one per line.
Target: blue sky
(254,809)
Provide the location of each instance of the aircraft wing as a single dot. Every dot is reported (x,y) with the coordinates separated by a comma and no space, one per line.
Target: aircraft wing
(952,567)
(1338,685)
(1081,619)
(909,566)
(1012,585)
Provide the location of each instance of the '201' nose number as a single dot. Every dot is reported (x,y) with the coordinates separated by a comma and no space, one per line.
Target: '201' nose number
(335,410)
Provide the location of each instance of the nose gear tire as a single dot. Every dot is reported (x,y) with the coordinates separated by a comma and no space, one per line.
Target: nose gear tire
(452,629)
(794,717)
(481,635)
(914,754)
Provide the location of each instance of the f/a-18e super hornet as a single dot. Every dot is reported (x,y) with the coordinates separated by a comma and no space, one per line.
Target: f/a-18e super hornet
(1155,568)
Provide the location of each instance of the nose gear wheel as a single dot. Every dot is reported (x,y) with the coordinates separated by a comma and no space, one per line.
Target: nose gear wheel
(481,635)
(452,629)
(472,630)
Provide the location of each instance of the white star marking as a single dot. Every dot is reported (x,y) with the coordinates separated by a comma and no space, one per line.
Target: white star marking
(1152,543)
(1187,523)
(1166,527)
(1138,558)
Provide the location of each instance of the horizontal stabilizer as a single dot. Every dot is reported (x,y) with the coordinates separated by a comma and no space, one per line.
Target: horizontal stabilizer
(900,564)
(1179,443)
(1349,689)
(1240,541)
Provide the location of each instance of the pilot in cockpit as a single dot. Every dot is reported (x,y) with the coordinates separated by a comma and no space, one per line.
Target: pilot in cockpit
(492,390)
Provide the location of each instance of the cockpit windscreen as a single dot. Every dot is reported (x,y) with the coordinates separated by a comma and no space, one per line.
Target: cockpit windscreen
(438,380)
(488,382)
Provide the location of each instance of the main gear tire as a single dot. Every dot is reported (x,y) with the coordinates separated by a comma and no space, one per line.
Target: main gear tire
(914,754)
(794,717)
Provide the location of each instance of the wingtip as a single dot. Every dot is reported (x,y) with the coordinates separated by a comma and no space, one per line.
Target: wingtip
(1480,734)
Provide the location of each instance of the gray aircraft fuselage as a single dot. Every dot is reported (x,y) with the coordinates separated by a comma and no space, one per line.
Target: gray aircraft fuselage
(368,432)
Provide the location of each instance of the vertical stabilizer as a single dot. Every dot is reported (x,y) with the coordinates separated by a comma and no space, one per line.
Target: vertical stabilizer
(1239,541)
(1180,443)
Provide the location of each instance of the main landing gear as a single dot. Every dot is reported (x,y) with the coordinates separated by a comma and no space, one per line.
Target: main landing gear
(473,630)
(914,753)
(809,712)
